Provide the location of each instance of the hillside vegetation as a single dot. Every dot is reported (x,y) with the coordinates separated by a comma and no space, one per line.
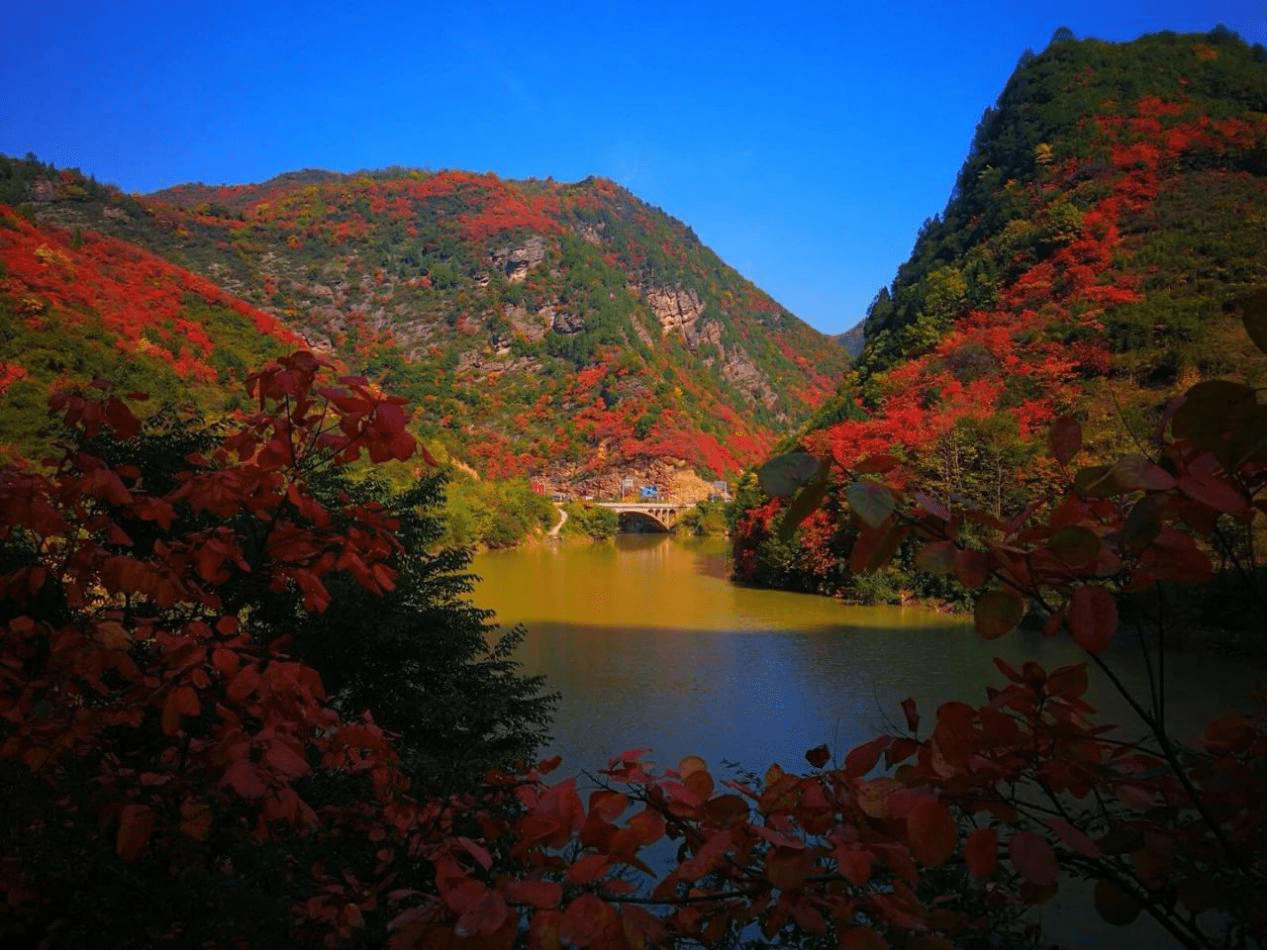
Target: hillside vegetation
(539,328)
(1109,221)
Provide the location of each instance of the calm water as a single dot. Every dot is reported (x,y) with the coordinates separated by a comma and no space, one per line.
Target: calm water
(651,645)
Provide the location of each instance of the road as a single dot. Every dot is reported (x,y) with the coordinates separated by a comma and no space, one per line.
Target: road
(554,532)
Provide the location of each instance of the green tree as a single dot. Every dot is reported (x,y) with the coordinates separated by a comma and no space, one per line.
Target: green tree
(431,667)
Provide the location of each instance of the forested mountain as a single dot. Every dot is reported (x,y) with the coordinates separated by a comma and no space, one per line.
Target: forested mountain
(78,305)
(536,327)
(1104,230)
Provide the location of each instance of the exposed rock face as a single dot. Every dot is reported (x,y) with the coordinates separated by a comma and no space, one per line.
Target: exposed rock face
(517,262)
(707,331)
(675,308)
(531,325)
(643,333)
(611,484)
(567,322)
(740,372)
(493,362)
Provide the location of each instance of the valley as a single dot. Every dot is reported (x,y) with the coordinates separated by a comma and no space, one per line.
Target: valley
(262,441)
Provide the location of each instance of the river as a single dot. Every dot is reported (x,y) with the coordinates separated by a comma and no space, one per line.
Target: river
(651,645)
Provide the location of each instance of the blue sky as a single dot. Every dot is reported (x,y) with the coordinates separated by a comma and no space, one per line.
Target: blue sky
(803,142)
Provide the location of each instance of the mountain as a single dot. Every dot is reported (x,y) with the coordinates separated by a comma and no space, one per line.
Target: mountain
(852,339)
(539,328)
(78,305)
(1108,221)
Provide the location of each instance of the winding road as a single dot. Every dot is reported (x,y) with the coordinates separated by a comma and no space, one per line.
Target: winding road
(554,532)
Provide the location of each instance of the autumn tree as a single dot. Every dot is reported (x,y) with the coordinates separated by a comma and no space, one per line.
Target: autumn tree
(187,741)
(179,776)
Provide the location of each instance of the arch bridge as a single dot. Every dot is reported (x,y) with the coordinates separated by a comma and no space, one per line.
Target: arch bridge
(652,515)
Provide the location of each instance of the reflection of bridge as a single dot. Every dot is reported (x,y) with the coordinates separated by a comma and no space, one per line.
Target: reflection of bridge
(651,515)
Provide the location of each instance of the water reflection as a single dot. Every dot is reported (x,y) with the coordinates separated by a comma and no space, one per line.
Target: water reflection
(650,644)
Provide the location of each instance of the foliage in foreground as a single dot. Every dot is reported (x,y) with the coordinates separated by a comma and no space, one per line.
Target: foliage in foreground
(155,731)
(197,620)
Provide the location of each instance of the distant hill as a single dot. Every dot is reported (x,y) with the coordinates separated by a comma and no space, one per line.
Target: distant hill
(569,330)
(1109,218)
(852,340)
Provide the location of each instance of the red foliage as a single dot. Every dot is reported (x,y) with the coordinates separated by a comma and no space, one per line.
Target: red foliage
(231,729)
(138,296)
(507,209)
(10,372)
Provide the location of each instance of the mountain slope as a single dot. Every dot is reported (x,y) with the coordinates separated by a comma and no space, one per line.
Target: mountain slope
(540,328)
(1111,214)
(76,305)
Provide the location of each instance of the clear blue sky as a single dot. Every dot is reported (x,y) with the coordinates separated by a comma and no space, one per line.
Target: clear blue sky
(803,142)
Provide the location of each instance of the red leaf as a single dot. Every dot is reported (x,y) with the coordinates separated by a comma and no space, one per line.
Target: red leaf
(997,612)
(854,864)
(875,464)
(244,778)
(912,714)
(1114,904)
(477,851)
(862,760)
(1254,317)
(932,506)
(1074,839)
(286,761)
(932,832)
(136,822)
(1033,858)
(871,502)
(181,701)
(1092,617)
(818,756)
(540,894)
(936,557)
(875,547)
(485,918)
(585,920)
(1136,472)
(1068,682)
(689,764)
(862,938)
(1065,438)
(971,567)
(981,851)
(1218,493)
(195,819)
(119,417)
(787,868)
(588,869)
(225,661)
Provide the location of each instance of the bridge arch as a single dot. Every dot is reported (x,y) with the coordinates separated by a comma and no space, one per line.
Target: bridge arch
(643,522)
(646,516)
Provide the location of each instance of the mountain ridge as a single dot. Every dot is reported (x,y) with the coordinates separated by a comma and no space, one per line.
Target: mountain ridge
(476,297)
(1107,223)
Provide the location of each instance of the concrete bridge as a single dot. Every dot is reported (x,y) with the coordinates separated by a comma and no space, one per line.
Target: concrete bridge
(647,515)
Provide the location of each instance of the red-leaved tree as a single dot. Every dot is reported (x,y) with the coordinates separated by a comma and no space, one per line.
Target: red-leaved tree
(176,778)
